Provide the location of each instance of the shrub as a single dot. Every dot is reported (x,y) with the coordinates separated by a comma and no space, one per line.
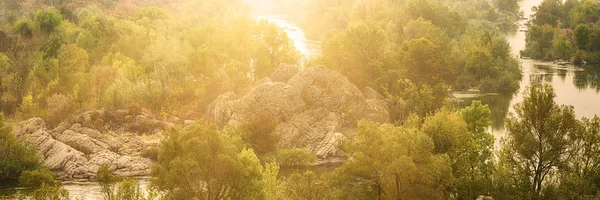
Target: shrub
(24,27)
(259,133)
(129,189)
(107,179)
(34,179)
(151,153)
(295,157)
(15,156)
(46,192)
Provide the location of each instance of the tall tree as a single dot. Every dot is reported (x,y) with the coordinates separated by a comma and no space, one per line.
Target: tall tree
(539,136)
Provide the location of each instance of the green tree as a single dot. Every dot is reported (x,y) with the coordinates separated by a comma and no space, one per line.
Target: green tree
(448,131)
(539,136)
(539,41)
(273,186)
(273,48)
(579,177)
(359,53)
(390,162)
(200,161)
(426,62)
(15,156)
(549,12)
(476,172)
(48,19)
(581,35)
(25,27)
(406,97)
(561,47)
(510,6)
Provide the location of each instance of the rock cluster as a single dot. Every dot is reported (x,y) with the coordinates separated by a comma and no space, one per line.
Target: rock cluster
(76,150)
(316,108)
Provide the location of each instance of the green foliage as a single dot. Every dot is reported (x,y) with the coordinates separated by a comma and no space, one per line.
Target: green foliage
(274,49)
(129,189)
(539,136)
(581,35)
(107,180)
(474,175)
(579,38)
(200,161)
(25,27)
(440,15)
(539,41)
(427,62)
(150,153)
(273,186)
(35,179)
(46,192)
(259,133)
(15,156)
(359,53)
(290,157)
(511,6)
(448,131)
(549,12)
(305,185)
(48,19)
(406,97)
(389,162)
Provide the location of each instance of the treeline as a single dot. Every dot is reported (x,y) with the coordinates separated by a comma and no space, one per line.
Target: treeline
(547,154)
(567,30)
(61,59)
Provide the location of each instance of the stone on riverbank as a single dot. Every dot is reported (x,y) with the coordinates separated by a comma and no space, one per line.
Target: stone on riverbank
(74,150)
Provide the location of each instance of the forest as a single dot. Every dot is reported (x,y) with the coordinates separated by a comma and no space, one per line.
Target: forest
(567,31)
(178,59)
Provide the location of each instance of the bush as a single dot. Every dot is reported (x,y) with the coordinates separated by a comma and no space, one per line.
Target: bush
(295,157)
(107,179)
(151,153)
(15,156)
(24,27)
(259,133)
(129,189)
(34,179)
(46,192)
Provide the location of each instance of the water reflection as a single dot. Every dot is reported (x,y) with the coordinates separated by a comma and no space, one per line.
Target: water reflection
(588,79)
(579,87)
(498,105)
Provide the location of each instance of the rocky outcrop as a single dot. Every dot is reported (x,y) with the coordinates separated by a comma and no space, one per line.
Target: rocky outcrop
(74,151)
(316,108)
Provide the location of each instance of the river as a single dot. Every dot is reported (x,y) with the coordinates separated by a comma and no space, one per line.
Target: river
(576,87)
